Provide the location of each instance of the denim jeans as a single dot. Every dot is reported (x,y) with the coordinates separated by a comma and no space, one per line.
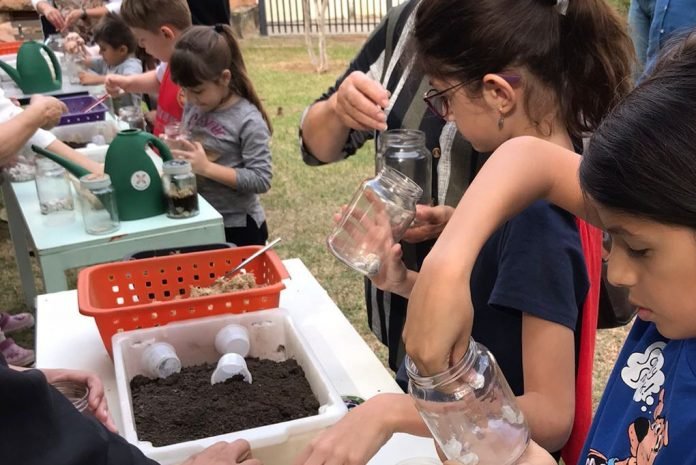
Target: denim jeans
(640,15)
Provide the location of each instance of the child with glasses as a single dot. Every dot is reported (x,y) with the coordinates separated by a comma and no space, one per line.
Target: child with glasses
(500,69)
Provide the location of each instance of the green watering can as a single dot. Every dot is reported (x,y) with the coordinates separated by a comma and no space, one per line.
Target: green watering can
(137,184)
(33,75)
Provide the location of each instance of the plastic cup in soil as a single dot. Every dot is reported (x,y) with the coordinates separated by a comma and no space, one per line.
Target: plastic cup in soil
(228,366)
(160,360)
(233,339)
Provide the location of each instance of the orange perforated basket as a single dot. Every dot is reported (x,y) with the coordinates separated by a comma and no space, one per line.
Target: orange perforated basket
(9,48)
(138,294)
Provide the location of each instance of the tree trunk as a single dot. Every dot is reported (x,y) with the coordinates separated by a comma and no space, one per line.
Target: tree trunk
(319,61)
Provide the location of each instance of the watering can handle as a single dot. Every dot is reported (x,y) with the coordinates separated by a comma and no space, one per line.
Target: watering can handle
(161,146)
(55,62)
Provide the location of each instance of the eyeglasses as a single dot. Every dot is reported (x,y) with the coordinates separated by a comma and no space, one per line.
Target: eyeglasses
(438,101)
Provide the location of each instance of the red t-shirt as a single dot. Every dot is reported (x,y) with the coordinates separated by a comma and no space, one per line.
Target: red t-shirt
(170,104)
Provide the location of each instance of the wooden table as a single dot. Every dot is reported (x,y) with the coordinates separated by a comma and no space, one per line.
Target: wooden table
(346,359)
(66,245)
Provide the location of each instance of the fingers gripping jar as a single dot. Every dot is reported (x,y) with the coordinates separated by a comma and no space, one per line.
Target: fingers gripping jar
(377,217)
(470,410)
(179,184)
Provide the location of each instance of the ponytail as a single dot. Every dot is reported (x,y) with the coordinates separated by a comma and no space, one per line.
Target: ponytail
(202,53)
(577,49)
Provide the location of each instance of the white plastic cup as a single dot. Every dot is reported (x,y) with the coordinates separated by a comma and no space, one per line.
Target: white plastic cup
(160,360)
(233,339)
(230,365)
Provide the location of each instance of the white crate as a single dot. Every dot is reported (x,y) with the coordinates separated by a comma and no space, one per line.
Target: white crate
(273,336)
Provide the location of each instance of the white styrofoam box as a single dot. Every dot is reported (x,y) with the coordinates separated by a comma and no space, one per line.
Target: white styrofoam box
(84,132)
(273,336)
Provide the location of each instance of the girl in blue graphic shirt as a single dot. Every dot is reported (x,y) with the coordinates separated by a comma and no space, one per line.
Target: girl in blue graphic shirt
(637,180)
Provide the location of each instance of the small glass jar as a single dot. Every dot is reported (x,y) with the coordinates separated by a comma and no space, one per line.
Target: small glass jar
(74,65)
(98,202)
(377,217)
(77,393)
(174,134)
(53,187)
(133,116)
(179,185)
(404,150)
(470,410)
(22,168)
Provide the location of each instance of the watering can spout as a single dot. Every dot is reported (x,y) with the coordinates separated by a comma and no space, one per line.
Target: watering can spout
(14,75)
(73,168)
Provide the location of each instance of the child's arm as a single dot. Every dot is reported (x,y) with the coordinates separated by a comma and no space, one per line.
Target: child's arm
(90,79)
(440,315)
(145,83)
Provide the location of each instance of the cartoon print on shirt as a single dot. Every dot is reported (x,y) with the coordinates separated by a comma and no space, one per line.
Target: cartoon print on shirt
(647,436)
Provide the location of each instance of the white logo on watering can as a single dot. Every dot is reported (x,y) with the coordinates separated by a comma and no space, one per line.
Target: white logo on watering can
(140,180)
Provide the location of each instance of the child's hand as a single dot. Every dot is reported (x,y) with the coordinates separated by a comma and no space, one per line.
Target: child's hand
(115,84)
(194,153)
(429,223)
(71,18)
(88,79)
(97,400)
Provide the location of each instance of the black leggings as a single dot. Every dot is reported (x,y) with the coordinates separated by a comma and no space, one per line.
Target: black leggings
(249,234)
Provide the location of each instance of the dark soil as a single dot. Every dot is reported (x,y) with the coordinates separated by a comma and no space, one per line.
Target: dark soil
(75,145)
(185,406)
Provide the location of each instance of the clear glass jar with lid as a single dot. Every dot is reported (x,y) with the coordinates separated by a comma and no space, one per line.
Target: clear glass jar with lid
(53,187)
(405,151)
(376,218)
(179,184)
(98,202)
(470,410)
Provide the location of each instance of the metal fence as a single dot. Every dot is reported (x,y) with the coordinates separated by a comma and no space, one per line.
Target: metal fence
(280,17)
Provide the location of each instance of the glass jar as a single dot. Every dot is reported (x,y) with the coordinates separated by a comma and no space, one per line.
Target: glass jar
(179,184)
(53,187)
(23,167)
(77,393)
(74,65)
(470,410)
(404,150)
(377,217)
(174,134)
(98,202)
(133,116)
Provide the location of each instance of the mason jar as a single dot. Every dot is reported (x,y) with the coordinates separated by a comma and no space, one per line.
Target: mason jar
(470,410)
(179,185)
(405,151)
(98,202)
(174,134)
(77,393)
(377,217)
(133,116)
(52,187)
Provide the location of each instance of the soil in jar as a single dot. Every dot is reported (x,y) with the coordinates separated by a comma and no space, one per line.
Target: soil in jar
(182,202)
(185,406)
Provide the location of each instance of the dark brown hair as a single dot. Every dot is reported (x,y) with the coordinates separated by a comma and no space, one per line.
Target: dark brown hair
(202,53)
(585,56)
(641,159)
(112,31)
(151,15)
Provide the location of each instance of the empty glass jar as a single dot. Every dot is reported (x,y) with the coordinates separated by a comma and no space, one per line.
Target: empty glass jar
(133,116)
(98,203)
(174,134)
(179,185)
(52,187)
(404,150)
(470,410)
(377,217)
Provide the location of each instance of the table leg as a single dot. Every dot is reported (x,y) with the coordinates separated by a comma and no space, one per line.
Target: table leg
(53,274)
(18,233)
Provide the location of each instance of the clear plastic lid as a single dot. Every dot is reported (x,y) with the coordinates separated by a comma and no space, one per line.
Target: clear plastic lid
(95,181)
(176,167)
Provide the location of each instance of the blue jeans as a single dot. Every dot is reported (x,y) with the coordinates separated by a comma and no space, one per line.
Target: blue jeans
(640,16)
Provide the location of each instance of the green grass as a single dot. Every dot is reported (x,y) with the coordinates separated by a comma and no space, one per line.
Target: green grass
(302,200)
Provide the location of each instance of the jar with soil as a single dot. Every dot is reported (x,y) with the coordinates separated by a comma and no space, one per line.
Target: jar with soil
(179,184)
(376,218)
(470,410)
(77,393)
(98,202)
(404,150)
(22,168)
(53,188)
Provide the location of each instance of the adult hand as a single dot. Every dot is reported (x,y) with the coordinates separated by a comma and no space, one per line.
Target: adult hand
(116,84)
(72,18)
(429,223)
(224,453)
(354,439)
(48,109)
(96,400)
(194,153)
(54,16)
(359,102)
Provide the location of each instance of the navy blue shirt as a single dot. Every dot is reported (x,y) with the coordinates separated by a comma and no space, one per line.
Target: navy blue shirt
(533,264)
